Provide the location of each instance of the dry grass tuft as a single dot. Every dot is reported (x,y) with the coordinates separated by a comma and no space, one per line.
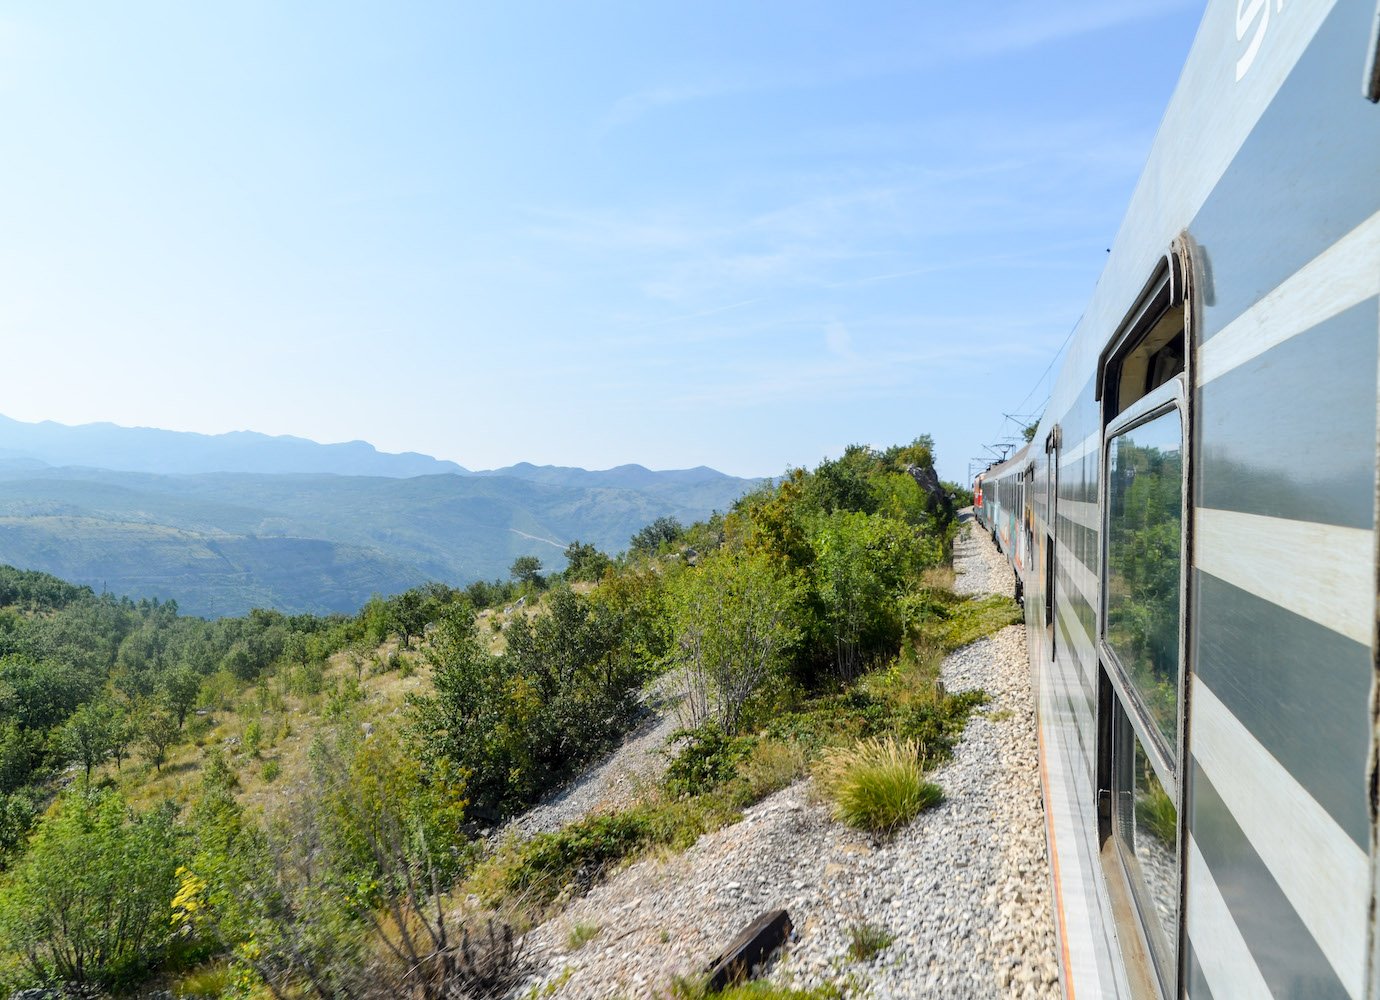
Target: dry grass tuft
(876,785)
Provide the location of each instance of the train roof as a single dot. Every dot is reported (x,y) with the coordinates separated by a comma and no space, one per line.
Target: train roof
(1214,107)
(1013,464)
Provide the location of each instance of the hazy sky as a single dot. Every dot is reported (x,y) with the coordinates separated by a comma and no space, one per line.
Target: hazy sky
(731,233)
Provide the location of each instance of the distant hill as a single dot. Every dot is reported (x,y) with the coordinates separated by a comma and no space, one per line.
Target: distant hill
(146,449)
(635,477)
(221,543)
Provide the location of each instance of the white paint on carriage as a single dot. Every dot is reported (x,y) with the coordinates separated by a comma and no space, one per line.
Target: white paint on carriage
(1222,953)
(1081,512)
(1208,119)
(1344,275)
(1076,453)
(1321,870)
(1084,580)
(1322,572)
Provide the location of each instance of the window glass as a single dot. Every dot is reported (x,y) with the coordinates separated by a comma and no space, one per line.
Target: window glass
(1145,492)
(1148,831)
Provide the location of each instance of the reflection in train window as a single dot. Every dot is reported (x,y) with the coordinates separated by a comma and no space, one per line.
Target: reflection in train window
(1145,479)
(1146,828)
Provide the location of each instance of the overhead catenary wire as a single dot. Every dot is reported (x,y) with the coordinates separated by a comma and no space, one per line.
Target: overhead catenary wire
(1050,367)
(1044,374)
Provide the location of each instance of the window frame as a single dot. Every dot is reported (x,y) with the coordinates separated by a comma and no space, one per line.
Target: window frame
(1152,972)
(1172,396)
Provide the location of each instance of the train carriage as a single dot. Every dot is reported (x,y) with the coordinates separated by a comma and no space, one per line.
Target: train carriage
(1194,525)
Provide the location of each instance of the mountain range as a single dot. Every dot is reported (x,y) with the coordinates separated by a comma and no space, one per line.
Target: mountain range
(223,523)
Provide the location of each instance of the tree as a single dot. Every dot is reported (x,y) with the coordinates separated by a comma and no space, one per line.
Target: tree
(157,732)
(20,752)
(519,723)
(46,692)
(863,564)
(89,902)
(473,718)
(123,732)
(662,531)
(343,896)
(734,617)
(178,691)
(407,615)
(527,570)
(89,733)
(845,483)
(585,562)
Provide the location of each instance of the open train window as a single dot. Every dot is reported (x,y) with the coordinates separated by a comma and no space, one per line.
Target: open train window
(1141,615)
(1150,348)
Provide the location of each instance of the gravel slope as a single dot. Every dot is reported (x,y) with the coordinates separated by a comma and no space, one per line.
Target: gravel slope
(964,889)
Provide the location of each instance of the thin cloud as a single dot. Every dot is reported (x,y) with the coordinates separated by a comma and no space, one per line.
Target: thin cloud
(934,43)
(703,313)
(1034,26)
(631,107)
(838,340)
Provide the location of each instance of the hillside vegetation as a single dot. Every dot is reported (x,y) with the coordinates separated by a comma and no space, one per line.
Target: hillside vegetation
(289,806)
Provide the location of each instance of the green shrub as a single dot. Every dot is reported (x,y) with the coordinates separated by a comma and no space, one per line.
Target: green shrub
(771,767)
(830,719)
(580,935)
(689,989)
(574,857)
(866,940)
(678,824)
(210,981)
(935,727)
(945,621)
(877,785)
(708,759)
(90,900)
(271,770)
(563,690)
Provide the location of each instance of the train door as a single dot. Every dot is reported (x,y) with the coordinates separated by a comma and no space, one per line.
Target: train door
(1051,502)
(1142,629)
(1027,530)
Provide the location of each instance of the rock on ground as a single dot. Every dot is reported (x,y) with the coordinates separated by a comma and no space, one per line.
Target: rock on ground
(963,892)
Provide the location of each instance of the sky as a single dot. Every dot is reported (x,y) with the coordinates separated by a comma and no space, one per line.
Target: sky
(736,234)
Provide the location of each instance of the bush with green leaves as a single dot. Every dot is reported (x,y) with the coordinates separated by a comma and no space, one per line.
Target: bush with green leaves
(866,940)
(90,900)
(562,692)
(575,856)
(735,618)
(707,759)
(864,564)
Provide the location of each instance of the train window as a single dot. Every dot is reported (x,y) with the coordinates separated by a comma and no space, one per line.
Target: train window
(1145,482)
(1152,362)
(1150,348)
(1141,383)
(1141,623)
(1146,832)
